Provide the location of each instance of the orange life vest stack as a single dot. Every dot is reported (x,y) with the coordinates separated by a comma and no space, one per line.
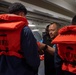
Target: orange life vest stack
(66,44)
(10,31)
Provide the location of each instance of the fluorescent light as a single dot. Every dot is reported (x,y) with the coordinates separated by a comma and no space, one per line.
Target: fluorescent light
(35,30)
(31,25)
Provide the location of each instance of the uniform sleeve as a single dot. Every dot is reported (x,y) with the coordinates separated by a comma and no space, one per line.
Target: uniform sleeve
(30,48)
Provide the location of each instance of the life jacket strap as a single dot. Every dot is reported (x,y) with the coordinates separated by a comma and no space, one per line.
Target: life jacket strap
(10,53)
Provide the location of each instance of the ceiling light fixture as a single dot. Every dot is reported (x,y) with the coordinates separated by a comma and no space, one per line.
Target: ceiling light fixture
(31,25)
(35,30)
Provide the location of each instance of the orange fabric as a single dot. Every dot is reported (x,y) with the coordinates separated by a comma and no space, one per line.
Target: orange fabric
(38,43)
(12,18)
(69,68)
(41,57)
(68,29)
(66,44)
(10,34)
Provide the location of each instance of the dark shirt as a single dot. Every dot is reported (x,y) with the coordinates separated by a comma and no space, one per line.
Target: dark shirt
(48,58)
(11,65)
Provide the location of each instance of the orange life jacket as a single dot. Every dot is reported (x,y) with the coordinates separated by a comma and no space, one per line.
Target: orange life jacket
(10,31)
(66,44)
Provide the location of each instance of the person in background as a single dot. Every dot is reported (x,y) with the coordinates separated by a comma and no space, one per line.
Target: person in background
(60,69)
(46,37)
(51,33)
(23,57)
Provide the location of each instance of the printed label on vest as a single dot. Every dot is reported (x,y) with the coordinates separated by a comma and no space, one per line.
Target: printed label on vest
(4,42)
